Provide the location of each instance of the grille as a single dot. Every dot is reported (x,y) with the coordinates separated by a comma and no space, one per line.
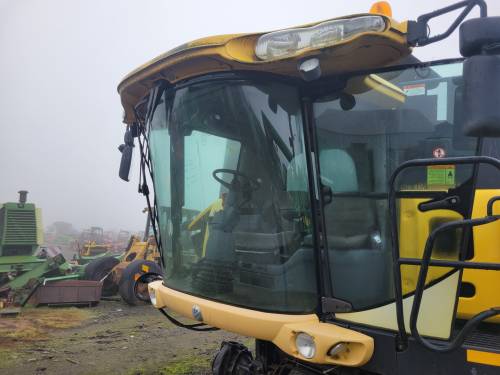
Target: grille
(21,227)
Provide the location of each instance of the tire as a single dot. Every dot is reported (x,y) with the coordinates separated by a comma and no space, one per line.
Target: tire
(127,281)
(98,269)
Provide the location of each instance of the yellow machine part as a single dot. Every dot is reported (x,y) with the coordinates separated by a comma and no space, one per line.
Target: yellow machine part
(415,227)
(136,249)
(485,283)
(281,329)
(92,248)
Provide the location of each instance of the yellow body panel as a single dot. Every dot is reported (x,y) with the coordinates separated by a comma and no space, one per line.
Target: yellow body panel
(415,227)
(280,329)
(485,358)
(486,240)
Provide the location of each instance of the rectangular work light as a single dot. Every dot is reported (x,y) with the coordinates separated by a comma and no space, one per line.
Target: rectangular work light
(286,43)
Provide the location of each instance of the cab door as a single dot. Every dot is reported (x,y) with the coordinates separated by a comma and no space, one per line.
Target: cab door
(363,134)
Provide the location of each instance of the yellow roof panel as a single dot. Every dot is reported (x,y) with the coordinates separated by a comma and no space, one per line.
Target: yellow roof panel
(235,52)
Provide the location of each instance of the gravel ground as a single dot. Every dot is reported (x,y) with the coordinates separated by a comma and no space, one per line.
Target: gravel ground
(111,338)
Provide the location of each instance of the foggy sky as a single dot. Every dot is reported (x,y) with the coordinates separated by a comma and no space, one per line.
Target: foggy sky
(60,63)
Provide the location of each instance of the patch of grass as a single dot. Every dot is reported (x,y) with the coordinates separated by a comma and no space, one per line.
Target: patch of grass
(60,318)
(33,324)
(182,366)
(5,357)
(186,366)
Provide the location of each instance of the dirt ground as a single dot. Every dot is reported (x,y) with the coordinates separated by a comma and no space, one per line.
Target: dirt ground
(111,338)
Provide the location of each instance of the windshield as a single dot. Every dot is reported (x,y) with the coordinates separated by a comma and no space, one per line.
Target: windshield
(365,131)
(231,186)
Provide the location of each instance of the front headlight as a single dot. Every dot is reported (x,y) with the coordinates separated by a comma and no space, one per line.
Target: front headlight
(305,345)
(286,43)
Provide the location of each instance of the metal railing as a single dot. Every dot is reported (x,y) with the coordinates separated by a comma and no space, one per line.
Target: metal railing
(425,262)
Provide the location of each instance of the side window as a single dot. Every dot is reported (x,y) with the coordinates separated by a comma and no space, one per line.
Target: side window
(205,153)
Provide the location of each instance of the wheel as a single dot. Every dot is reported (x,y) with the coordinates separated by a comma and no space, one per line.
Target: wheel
(233,358)
(98,269)
(127,285)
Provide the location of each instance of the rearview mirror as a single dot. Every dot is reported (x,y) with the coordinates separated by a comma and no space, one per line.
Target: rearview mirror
(126,149)
(479,41)
(481,96)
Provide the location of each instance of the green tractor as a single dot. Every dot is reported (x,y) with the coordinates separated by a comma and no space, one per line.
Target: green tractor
(24,264)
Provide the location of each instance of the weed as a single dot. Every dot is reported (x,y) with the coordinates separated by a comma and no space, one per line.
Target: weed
(186,366)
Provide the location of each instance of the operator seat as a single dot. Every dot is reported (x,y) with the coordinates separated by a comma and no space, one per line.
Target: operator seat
(360,269)
(350,221)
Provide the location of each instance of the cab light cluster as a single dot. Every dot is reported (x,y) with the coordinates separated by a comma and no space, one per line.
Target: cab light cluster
(286,43)
(306,346)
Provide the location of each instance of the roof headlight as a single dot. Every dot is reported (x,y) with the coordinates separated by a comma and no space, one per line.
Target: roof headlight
(286,43)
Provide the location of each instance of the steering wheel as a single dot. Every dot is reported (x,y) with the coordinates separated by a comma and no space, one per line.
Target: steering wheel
(247,185)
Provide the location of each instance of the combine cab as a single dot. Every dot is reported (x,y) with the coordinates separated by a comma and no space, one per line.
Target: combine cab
(319,189)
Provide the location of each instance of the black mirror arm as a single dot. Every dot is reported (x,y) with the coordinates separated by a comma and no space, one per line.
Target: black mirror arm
(418,31)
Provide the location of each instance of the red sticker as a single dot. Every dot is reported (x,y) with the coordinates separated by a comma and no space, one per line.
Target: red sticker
(439,152)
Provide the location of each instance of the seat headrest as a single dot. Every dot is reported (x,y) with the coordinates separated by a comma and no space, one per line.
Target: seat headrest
(338,170)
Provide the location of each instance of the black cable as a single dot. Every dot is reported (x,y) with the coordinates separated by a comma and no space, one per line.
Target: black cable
(144,188)
(199,327)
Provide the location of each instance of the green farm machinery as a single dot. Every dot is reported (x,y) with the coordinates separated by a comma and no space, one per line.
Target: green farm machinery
(26,270)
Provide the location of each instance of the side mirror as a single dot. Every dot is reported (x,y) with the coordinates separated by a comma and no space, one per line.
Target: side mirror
(479,41)
(126,149)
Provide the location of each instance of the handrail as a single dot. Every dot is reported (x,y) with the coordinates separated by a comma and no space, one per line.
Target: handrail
(419,290)
(402,339)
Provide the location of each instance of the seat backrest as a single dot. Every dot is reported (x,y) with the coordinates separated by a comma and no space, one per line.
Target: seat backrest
(349,220)
(338,171)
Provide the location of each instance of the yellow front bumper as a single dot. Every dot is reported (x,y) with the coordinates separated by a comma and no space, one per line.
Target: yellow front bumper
(280,329)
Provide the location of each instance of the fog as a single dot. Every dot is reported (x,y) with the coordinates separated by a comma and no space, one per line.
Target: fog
(60,63)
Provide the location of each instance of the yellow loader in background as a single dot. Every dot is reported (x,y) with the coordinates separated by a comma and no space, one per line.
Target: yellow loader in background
(119,273)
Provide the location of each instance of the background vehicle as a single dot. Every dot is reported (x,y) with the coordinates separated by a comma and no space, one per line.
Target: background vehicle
(25,266)
(119,273)
(91,246)
(318,189)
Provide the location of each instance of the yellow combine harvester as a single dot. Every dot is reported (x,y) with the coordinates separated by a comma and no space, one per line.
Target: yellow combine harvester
(323,191)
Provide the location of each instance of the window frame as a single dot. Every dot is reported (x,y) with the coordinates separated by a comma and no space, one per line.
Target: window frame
(308,92)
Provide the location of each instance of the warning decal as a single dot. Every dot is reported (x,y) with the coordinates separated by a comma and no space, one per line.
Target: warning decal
(439,152)
(443,175)
(414,90)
